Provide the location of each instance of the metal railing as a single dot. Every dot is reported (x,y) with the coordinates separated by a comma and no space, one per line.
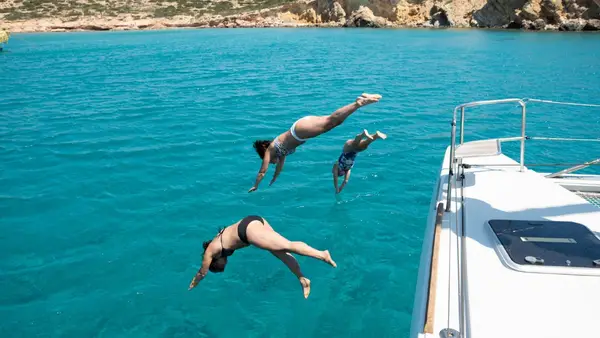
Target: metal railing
(573,169)
(522,137)
(457,168)
(462,107)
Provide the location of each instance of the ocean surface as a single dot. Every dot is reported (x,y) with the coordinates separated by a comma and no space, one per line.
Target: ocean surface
(120,152)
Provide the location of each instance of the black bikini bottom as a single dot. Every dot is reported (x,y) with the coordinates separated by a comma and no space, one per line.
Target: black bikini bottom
(243,226)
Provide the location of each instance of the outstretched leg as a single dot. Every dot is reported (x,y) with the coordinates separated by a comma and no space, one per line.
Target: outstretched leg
(294,267)
(313,126)
(364,144)
(379,135)
(354,144)
(268,239)
(358,138)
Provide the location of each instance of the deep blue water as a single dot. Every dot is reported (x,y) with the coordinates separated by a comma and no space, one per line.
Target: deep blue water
(121,152)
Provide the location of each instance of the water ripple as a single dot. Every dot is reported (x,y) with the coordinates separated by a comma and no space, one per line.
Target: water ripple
(123,151)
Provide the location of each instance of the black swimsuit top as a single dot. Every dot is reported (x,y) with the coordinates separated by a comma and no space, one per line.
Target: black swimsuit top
(225,252)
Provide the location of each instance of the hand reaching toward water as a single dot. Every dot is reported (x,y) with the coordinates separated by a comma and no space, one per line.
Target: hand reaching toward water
(197,278)
(252,189)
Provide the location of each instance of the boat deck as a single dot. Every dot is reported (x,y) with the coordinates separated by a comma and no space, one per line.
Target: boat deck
(508,251)
(500,301)
(591,197)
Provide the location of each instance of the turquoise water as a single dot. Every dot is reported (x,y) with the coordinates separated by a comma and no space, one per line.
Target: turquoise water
(121,152)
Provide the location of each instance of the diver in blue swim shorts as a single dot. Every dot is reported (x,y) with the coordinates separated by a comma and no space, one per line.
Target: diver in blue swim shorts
(352,147)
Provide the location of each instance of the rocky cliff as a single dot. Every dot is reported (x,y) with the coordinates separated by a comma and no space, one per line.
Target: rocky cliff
(60,15)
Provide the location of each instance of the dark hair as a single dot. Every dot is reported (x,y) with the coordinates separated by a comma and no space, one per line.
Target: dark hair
(261,147)
(216,265)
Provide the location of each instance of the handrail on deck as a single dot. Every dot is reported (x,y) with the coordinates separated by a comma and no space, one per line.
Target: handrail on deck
(522,138)
(574,168)
(462,107)
(433,270)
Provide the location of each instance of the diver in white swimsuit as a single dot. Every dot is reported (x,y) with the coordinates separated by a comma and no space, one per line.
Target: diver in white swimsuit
(275,151)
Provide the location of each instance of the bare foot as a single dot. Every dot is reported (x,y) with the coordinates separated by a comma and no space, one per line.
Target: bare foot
(365,133)
(366,99)
(380,135)
(305,286)
(327,258)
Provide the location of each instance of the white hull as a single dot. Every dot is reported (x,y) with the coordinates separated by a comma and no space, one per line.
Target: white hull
(477,288)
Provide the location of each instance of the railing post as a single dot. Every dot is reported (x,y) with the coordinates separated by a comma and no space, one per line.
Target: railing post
(523,118)
(462,125)
(462,137)
(451,161)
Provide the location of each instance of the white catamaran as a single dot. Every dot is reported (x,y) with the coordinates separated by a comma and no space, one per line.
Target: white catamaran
(509,252)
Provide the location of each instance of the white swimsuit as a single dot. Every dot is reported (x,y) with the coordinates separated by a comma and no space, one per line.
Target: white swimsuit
(280,149)
(292,130)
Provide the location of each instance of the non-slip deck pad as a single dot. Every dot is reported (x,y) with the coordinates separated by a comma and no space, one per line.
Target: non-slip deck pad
(548,243)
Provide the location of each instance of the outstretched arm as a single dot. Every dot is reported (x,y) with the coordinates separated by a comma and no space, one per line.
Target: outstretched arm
(206,260)
(263,170)
(346,178)
(334,171)
(278,169)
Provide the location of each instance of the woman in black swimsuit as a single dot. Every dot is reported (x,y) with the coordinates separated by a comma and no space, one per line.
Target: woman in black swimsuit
(255,230)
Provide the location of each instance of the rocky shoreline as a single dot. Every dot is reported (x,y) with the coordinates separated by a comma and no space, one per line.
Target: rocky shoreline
(543,15)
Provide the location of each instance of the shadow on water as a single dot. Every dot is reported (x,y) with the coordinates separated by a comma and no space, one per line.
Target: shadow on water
(188,328)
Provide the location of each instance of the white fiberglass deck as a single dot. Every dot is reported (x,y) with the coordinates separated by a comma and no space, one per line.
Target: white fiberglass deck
(498,300)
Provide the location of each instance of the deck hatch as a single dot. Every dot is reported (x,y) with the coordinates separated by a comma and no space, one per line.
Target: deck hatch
(548,243)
